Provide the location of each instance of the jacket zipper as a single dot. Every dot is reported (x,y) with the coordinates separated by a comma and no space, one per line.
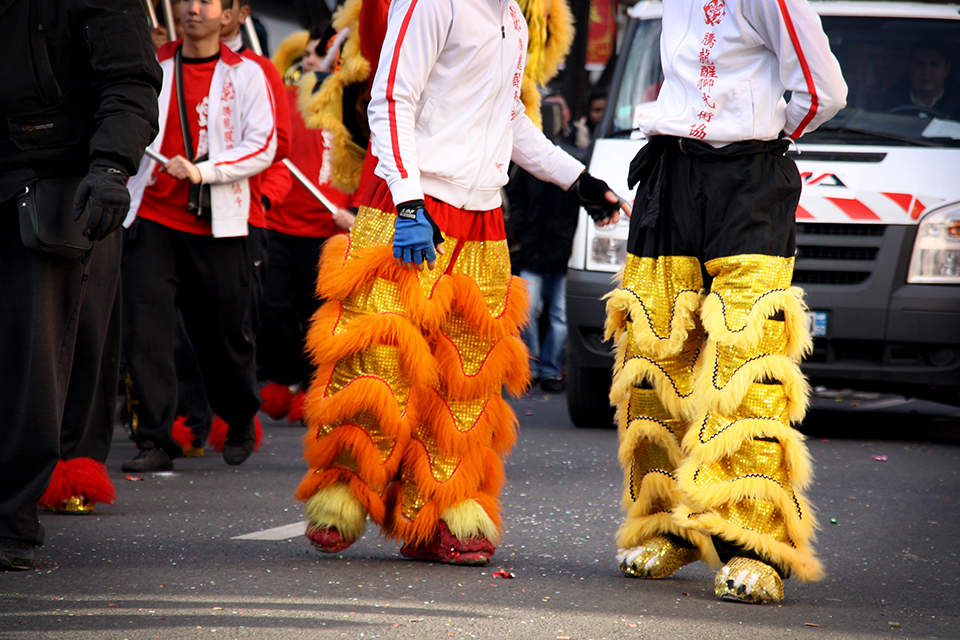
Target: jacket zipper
(493,111)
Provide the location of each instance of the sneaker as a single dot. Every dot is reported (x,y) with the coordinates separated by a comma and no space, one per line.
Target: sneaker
(552,385)
(17,556)
(327,540)
(447,548)
(150,458)
(239,445)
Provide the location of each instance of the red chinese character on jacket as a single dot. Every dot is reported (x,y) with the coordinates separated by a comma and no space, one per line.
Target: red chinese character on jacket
(714,11)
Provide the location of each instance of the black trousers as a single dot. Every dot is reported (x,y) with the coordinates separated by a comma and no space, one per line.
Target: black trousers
(192,399)
(90,412)
(39,309)
(289,301)
(209,281)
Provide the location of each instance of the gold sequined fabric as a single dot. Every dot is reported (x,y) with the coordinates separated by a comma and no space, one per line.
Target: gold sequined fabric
(740,282)
(734,476)
(748,580)
(655,285)
(763,401)
(730,360)
(456,329)
(658,557)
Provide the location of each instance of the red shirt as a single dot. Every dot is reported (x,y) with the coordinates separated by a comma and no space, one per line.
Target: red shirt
(165,198)
(269,183)
(301,214)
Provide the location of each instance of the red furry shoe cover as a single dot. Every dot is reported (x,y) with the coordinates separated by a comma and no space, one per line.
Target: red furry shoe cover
(327,540)
(296,407)
(76,485)
(218,433)
(276,399)
(186,438)
(445,547)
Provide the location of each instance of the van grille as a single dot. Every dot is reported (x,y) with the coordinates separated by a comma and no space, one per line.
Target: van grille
(836,254)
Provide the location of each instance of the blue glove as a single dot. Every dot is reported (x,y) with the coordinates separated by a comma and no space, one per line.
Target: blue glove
(415,233)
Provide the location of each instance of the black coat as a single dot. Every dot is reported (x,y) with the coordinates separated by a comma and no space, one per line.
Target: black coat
(79,81)
(543,220)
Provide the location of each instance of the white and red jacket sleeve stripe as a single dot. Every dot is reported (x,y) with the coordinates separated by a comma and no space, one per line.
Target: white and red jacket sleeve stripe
(807,67)
(416,34)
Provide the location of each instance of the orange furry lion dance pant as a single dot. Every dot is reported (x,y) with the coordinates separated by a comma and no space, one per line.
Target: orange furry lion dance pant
(405,415)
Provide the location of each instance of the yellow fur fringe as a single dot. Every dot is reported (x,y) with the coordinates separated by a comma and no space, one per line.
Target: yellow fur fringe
(800,560)
(335,507)
(623,304)
(797,458)
(790,301)
(324,109)
(636,371)
(708,395)
(468,519)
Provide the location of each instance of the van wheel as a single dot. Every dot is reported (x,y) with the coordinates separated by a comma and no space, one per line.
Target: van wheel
(587,396)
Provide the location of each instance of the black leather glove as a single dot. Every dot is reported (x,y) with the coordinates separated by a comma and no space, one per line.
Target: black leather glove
(590,193)
(105,190)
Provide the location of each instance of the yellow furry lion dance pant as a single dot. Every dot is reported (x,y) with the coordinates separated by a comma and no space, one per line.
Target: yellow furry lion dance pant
(709,334)
(405,414)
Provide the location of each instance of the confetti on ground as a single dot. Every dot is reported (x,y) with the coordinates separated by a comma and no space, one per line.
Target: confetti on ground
(810,624)
(894,624)
(135,478)
(880,458)
(506,575)
(833,521)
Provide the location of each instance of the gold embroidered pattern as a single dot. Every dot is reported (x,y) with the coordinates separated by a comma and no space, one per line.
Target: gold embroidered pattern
(729,360)
(472,348)
(740,282)
(763,401)
(657,283)
(488,262)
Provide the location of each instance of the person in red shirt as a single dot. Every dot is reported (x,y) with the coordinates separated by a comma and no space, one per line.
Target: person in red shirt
(193,408)
(297,226)
(196,259)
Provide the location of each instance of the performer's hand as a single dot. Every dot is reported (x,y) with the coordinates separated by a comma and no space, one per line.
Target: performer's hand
(603,205)
(182,169)
(416,237)
(105,189)
(343,218)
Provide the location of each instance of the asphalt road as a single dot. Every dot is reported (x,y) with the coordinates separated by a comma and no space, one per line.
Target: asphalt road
(211,551)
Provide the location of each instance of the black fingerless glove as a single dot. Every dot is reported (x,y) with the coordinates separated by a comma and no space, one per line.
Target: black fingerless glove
(591,194)
(105,190)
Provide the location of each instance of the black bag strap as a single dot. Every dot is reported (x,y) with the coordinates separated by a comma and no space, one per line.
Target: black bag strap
(184,127)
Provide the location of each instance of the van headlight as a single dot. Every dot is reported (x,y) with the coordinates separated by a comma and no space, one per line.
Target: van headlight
(608,251)
(936,251)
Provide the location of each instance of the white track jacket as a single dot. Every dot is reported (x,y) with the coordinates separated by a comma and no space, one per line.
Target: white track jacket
(241,135)
(445,112)
(727,63)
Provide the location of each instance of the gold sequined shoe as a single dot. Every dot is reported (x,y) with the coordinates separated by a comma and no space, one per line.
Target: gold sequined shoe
(748,580)
(73,505)
(193,452)
(656,558)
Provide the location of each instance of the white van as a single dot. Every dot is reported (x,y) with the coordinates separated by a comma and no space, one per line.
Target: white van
(878,226)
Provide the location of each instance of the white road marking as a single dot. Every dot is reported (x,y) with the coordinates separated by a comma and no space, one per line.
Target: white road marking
(278,533)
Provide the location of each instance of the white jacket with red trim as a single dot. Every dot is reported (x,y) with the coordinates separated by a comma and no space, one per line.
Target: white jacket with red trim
(445,113)
(241,134)
(727,63)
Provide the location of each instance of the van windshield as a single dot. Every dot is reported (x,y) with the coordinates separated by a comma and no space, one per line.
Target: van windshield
(903,76)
